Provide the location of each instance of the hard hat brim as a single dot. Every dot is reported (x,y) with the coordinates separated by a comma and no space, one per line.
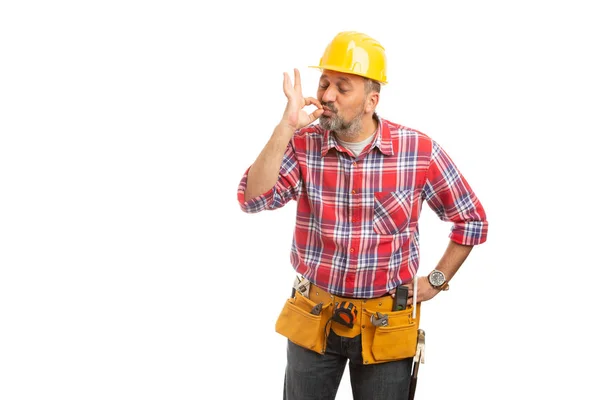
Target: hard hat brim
(338,69)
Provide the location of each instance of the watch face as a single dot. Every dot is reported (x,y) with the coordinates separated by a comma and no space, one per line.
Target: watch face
(437,278)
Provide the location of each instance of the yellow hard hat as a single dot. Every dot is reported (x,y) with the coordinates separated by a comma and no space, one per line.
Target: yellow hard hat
(355,53)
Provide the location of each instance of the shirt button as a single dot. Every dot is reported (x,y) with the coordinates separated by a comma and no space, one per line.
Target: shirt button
(354,164)
(353,191)
(352,250)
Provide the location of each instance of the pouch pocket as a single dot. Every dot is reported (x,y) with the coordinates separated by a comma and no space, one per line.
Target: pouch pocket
(391,211)
(300,326)
(395,341)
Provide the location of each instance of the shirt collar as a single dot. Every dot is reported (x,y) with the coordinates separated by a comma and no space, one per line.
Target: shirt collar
(383,140)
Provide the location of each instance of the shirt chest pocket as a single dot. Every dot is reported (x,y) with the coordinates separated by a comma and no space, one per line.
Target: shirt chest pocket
(391,211)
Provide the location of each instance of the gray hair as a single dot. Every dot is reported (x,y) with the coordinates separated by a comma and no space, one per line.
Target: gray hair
(372,86)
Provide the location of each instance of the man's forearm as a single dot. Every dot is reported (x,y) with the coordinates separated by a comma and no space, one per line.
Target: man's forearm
(454,256)
(263,174)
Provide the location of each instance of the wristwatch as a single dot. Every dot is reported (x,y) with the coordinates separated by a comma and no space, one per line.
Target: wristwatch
(437,279)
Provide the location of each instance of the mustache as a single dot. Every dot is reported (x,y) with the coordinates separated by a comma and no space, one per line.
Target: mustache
(330,106)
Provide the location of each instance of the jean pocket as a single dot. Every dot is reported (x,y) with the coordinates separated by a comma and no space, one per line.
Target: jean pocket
(391,211)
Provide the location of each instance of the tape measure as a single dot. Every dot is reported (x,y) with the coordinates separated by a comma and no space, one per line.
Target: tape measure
(345,313)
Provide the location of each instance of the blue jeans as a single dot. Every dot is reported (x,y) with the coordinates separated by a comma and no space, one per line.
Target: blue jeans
(312,376)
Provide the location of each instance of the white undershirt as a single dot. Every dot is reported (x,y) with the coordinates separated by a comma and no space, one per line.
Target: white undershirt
(357,147)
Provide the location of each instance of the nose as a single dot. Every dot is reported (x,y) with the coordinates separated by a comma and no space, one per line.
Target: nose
(328,95)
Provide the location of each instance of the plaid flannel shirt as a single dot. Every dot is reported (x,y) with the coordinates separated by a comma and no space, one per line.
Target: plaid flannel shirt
(356,232)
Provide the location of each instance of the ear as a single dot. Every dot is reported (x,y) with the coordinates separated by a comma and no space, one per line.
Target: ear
(372,101)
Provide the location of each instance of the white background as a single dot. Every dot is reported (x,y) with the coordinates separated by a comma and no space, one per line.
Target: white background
(128,271)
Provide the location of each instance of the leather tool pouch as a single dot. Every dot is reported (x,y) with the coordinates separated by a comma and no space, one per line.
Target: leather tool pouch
(395,341)
(300,326)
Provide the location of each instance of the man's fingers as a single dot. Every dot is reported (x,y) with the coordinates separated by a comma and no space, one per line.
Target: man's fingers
(311,100)
(316,114)
(297,84)
(287,86)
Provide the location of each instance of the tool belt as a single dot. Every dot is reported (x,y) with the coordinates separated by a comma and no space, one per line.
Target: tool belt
(386,335)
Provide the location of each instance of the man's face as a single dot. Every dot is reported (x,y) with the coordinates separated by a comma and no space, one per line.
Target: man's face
(343,98)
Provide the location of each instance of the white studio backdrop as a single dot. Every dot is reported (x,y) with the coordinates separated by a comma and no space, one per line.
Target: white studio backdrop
(128,271)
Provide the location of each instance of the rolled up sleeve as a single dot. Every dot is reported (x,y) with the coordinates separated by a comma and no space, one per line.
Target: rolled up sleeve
(255,204)
(286,188)
(450,196)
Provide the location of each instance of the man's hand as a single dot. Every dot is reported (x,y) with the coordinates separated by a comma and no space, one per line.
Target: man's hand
(294,116)
(424,291)
(264,172)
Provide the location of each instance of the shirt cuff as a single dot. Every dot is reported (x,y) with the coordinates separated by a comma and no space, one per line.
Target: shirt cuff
(469,233)
(256,204)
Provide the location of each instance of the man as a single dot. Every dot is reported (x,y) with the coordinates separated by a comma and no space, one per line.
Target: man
(359,182)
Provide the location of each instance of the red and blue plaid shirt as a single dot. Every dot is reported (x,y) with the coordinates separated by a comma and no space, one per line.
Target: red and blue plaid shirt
(356,231)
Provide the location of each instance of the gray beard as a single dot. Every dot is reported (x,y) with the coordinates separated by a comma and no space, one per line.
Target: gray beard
(344,130)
